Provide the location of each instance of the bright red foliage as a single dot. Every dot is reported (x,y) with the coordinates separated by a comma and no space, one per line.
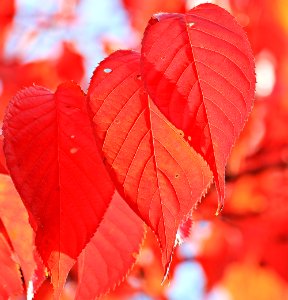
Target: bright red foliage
(158,173)
(54,163)
(199,70)
(143,146)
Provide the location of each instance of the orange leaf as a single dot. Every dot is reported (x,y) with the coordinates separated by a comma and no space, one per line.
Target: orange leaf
(15,220)
(156,171)
(10,277)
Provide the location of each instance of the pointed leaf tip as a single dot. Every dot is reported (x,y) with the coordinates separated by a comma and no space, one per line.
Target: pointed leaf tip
(159,175)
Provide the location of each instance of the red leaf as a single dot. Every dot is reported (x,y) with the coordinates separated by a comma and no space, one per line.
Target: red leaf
(21,235)
(199,70)
(7,13)
(10,277)
(54,163)
(140,11)
(111,253)
(15,74)
(156,171)
(70,66)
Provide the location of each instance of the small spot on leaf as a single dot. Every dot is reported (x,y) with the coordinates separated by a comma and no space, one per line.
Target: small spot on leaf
(107,70)
(73,150)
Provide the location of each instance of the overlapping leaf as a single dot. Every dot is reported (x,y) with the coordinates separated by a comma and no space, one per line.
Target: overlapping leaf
(112,251)
(10,277)
(199,70)
(157,172)
(54,163)
(70,65)
(15,219)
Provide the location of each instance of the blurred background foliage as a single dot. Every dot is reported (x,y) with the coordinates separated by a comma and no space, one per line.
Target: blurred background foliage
(241,254)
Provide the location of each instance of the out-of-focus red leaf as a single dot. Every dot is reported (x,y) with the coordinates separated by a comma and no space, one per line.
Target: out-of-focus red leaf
(268,243)
(276,135)
(10,276)
(7,13)
(198,68)
(112,251)
(157,172)
(263,18)
(3,167)
(140,11)
(148,271)
(70,66)
(222,247)
(255,216)
(15,75)
(21,235)
(54,162)
(250,140)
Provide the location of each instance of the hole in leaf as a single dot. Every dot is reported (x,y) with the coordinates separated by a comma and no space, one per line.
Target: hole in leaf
(107,70)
